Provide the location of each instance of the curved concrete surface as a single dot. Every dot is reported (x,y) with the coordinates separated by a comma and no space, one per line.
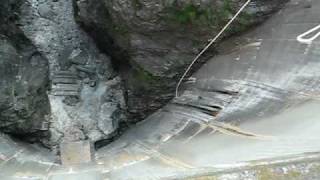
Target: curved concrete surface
(255,104)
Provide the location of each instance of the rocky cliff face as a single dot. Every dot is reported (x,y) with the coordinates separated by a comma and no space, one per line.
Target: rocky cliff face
(158,39)
(24,105)
(85,94)
(54,80)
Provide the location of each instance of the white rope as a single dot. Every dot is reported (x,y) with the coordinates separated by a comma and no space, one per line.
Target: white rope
(207,47)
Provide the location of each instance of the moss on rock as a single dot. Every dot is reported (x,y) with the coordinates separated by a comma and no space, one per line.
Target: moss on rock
(265,173)
(196,15)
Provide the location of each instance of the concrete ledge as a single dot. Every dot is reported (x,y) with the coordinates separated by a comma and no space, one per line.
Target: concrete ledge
(73,153)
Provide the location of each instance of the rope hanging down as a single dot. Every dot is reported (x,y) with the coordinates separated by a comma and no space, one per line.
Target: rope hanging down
(207,47)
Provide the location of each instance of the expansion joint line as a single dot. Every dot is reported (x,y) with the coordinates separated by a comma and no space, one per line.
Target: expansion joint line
(209,44)
(231,130)
(303,38)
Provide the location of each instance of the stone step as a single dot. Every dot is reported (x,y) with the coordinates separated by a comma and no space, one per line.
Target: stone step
(65,93)
(45,126)
(66,87)
(64,81)
(75,153)
(73,76)
(90,70)
(66,73)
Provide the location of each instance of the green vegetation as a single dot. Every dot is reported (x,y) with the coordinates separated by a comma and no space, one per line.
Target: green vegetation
(121,29)
(122,34)
(137,4)
(144,76)
(244,20)
(144,79)
(191,14)
(267,174)
(188,14)
(194,14)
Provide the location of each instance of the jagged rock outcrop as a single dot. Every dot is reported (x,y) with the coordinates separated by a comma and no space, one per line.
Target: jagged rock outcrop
(55,84)
(85,94)
(159,38)
(24,105)
(44,49)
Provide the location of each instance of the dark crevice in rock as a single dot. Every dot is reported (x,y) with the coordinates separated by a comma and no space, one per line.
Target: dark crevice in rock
(151,43)
(123,126)
(209,110)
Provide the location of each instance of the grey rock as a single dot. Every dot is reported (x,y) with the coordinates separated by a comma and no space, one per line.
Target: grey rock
(83,75)
(71,100)
(86,69)
(64,81)
(77,108)
(23,99)
(93,83)
(46,11)
(23,79)
(79,57)
(158,39)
